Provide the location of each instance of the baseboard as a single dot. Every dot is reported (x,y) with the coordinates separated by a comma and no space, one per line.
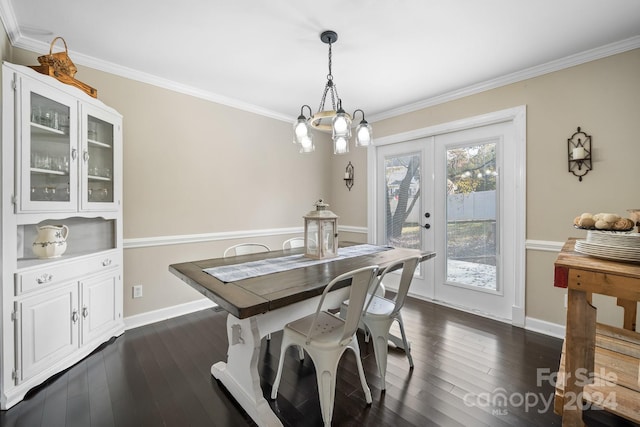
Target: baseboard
(544,327)
(154,316)
(530,323)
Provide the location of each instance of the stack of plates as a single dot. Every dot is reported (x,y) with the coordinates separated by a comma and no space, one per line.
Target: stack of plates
(611,245)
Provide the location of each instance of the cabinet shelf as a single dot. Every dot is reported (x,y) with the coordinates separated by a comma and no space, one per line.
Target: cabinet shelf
(98,143)
(49,171)
(46,130)
(99,178)
(34,262)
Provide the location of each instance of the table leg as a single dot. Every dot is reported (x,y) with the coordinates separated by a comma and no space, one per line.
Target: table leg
(240,374)
(579,355)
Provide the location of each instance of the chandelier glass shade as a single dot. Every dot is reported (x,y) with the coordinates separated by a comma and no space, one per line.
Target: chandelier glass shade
(336,120)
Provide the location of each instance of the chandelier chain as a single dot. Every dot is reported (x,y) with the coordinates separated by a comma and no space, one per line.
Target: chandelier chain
(330,76)
(330,87)
(324,97)
(335,98)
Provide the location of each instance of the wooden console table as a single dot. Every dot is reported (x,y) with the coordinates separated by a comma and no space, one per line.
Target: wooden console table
(600,364)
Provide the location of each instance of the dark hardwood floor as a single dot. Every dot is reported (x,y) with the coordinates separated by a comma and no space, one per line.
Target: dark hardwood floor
(159,375)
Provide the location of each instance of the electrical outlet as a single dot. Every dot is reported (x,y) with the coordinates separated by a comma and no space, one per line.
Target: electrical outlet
(137,291)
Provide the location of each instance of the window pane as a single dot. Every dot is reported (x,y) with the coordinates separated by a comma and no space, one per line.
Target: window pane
(402,174)
(471,215)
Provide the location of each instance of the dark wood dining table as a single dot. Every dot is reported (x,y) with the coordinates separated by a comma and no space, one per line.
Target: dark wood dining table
(258,306)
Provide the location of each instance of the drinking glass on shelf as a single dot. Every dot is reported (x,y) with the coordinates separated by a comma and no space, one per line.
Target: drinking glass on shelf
(92,131)
(36,114)
(42,161)
(49,193)
(64,124)
(56,164)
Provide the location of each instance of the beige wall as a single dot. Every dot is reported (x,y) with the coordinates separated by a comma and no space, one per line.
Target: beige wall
(193,166)
(5,45)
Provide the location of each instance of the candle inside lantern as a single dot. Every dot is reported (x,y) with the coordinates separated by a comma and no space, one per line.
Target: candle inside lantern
(579,153)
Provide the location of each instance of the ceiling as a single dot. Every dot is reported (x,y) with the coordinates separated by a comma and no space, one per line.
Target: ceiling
(267,57)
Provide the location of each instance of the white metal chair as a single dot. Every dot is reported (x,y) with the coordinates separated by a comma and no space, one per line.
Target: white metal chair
(326,337)
(379,313)
(245,248)
(294,242)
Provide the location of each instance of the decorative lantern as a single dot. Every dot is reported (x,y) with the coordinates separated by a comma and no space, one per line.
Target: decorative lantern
(320,232)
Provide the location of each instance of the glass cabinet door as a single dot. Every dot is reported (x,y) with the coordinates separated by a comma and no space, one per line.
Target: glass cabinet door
(101,136)
(48,149)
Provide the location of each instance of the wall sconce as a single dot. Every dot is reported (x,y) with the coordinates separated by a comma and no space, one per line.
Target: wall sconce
(348,176)
(579,154)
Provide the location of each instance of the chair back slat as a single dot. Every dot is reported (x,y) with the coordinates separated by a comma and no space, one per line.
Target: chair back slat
(294,242)
(245,248)
(408,270)
(408,266)
(360,284)
(361,280)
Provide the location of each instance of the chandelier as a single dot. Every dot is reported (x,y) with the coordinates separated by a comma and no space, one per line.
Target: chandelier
(336,120)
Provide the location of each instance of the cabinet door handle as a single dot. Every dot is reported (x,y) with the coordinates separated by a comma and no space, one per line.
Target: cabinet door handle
(74,316)
(106,262)
(74,154)
(85,156)
(85,312)
(44,278)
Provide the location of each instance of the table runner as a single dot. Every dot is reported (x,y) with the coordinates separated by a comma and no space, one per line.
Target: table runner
(246,270)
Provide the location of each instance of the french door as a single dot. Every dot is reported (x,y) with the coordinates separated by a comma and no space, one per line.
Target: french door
(458,191)
(405,204)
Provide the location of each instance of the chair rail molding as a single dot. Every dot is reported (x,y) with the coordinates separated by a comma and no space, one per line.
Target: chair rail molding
(146,242)
(543,245)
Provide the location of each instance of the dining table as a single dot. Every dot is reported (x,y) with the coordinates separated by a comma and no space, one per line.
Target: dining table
(262,292)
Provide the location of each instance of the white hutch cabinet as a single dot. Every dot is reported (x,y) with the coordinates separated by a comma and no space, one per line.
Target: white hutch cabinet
(61,165)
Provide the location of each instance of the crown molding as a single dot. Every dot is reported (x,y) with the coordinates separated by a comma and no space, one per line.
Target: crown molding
(26,43)
(518,76)
(8,18)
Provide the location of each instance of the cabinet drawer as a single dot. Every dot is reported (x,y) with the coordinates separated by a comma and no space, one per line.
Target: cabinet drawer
(41,277)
